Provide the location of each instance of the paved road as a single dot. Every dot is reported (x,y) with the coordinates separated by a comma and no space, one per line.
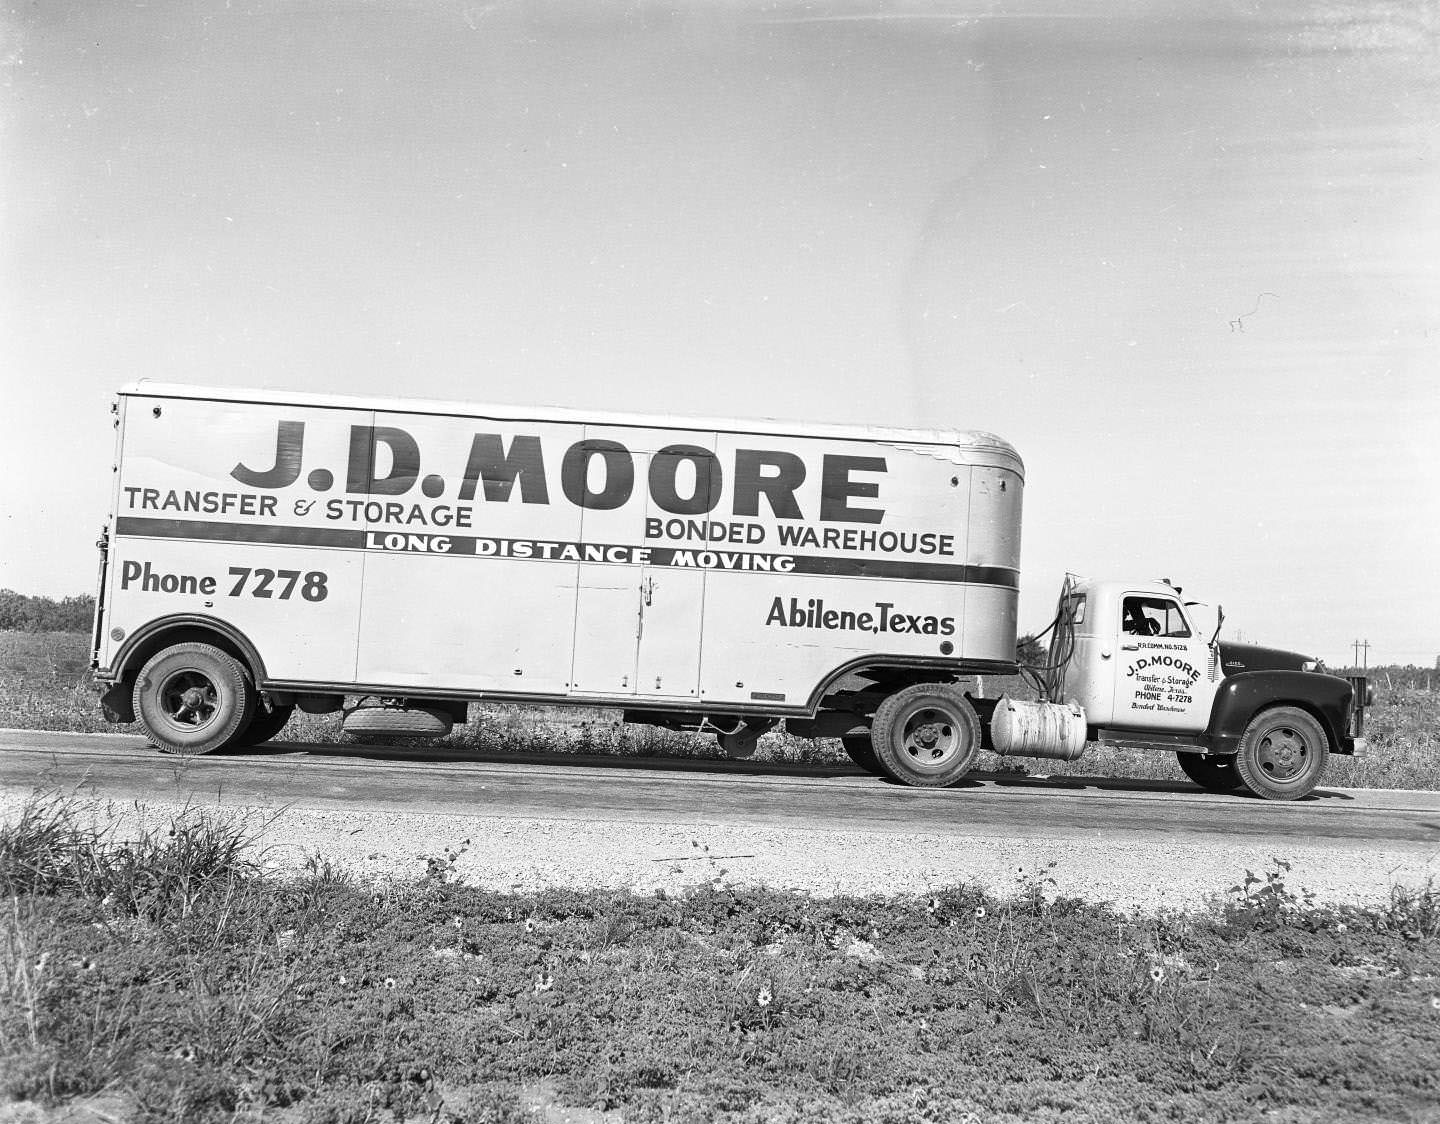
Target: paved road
(338,777)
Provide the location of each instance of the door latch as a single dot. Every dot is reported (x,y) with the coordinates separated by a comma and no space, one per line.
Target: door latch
(648,586)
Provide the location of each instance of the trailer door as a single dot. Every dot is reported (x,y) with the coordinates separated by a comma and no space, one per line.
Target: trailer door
(638,623)
(474,606)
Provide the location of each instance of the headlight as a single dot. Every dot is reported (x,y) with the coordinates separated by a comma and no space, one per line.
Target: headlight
(1312,665)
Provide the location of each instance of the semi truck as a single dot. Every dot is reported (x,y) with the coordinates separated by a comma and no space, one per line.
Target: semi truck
(396,560)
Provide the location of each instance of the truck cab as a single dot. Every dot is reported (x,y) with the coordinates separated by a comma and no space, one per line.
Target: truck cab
(1140,662)
(1135,658)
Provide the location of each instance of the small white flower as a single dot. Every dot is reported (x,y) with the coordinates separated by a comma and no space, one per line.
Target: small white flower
(1157,974)
(1435,1003)
(979,913)
(389,983)
(341,980)
(529,924)
(764,997)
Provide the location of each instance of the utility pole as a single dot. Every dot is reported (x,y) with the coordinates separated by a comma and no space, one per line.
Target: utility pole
(1359,646)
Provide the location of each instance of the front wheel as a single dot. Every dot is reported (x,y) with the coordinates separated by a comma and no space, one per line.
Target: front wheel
(193,698)
(1282,754)
(926,735)
(1210,772)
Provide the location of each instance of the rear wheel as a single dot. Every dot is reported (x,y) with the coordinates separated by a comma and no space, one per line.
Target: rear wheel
(1213,773)
(193,698)
(926,735)
(860,750)
(1282,754)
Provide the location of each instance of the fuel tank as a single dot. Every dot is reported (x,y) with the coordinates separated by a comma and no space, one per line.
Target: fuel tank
(1038,729)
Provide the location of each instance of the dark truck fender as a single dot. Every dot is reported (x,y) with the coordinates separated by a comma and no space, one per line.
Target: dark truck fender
(1241,697)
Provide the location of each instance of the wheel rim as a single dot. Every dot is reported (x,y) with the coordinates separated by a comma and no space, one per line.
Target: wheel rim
(189,700)
(1283,754)
(932,738)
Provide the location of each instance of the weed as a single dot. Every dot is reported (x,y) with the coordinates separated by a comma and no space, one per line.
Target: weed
(54,847)
(442,869)
(1412,912)
(1268,901)
(47,848)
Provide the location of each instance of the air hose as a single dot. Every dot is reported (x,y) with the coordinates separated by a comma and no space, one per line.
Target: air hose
(1048,679)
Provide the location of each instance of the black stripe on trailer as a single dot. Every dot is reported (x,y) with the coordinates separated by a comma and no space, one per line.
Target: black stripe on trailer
(133,526)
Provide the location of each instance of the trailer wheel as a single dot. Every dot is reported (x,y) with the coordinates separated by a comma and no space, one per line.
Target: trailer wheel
(265,725)
(926,735)
(860,750)
(193,698)
(1282,754)
(1213,773)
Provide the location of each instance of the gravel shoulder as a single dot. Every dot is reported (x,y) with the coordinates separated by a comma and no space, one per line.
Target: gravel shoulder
(529,854)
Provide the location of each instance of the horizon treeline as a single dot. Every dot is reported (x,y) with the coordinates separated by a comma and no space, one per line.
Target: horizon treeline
(22,613)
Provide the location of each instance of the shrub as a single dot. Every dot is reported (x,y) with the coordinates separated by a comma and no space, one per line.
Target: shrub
(22,613)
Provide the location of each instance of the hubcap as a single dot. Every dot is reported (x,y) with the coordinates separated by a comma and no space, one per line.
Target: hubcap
(932,738)
(1283,754)
(189,699)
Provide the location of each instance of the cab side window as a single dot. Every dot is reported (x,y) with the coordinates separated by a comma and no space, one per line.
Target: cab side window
(1152,616)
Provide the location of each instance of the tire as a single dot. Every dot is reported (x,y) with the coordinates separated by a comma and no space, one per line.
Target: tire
(859,749)
(265,725)
(398,722)
(1213,773)
(1282,754)
(193,698)
(926,735)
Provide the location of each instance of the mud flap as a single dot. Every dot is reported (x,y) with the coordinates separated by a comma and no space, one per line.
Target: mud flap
(118,703)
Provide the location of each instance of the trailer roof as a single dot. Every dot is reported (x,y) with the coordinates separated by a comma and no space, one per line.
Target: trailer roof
(975,440)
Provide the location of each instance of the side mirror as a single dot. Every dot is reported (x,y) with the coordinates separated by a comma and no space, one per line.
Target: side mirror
(1219,622)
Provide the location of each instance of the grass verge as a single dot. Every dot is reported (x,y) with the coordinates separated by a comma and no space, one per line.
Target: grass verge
(165,971)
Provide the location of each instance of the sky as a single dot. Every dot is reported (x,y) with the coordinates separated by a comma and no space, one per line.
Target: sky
(1186,258)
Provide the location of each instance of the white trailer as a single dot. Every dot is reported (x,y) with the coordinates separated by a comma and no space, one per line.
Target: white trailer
(268,550)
